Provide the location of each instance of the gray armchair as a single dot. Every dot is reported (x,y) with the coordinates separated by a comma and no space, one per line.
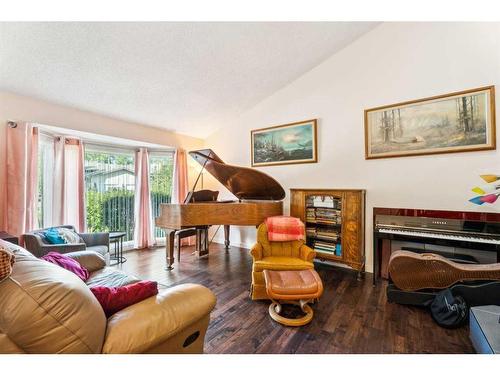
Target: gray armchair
(38,246)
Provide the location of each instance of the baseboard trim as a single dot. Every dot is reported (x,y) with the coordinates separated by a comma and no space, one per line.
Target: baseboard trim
(236,244)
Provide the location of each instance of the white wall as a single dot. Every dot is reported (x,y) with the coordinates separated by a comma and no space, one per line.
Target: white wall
(22,108)
(395,62)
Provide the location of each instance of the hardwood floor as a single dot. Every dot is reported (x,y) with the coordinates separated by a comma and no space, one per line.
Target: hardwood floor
(351,317)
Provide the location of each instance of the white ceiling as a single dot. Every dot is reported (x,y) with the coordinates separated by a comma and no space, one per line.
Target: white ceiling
(185,77)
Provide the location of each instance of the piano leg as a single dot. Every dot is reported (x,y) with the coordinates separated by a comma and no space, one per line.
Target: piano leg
(226,236)
(170,241)
(202,241)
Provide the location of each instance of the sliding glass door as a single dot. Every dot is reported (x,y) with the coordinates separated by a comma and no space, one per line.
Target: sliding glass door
(45,180)
(109,186)
(161,166)
(110,189)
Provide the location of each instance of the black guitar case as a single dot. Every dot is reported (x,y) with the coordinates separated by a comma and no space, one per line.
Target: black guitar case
(477,293)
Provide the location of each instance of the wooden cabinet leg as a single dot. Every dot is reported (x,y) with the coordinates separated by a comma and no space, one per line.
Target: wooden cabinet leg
(226,236)
(170,241)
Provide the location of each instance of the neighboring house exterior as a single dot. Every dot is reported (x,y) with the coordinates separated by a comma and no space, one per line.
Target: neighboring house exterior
(114,179)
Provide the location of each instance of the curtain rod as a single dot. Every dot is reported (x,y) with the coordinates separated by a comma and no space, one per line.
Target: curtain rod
(125,147)
(102,144)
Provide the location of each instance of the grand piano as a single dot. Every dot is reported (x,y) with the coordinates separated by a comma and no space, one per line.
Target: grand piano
(258,196)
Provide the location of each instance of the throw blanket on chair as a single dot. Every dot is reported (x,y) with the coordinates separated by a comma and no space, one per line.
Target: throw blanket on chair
(284,228)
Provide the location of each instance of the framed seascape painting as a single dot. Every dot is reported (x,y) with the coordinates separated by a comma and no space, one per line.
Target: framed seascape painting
(285,144)
(457,122)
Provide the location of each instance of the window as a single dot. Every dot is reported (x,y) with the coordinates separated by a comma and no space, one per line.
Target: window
(45,180)
(109,190)
(161,166)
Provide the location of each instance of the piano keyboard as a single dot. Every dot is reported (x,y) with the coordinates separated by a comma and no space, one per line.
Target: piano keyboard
(472,232)
(443,236)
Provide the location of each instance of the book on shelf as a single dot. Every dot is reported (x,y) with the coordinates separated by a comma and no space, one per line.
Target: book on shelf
(323,201)
(311,232)
(338,249)
(328,216)
(333,248)
(310,214)
(324,246)
(327,234)
(323,233)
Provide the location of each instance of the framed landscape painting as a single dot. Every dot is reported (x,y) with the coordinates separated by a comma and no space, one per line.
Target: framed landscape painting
(457,122)
(285,144)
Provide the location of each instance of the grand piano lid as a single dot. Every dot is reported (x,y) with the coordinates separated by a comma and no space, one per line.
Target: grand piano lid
(244,183)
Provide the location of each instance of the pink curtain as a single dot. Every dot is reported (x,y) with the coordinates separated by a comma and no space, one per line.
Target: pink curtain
(22,178)
(59,186)
(180,187)
(69,184)
(143,231)
(82,210)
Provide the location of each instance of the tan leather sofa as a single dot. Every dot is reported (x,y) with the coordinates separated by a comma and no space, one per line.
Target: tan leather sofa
(47,309)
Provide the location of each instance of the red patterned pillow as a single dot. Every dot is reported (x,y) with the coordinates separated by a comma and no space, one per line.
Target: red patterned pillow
(116,299)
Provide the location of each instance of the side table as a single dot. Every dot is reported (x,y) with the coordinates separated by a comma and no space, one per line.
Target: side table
(116,238)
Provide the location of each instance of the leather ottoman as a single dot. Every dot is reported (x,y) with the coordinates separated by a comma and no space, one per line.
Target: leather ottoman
(298,287)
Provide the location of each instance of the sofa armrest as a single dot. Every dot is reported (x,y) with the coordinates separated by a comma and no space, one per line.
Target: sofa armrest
(95,239)
(306,253)
(89,259)
(36,247)
(147,324)
(33,243)
(256,251)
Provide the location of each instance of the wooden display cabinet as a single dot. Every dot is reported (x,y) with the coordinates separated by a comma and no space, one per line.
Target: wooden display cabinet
(335,223)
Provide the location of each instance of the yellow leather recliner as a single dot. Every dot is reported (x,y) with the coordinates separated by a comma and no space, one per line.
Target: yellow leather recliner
(291,255)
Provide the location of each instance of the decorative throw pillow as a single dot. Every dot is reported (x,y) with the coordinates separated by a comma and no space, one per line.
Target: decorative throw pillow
(7,260)
(69,235)
(53,237)
(67,263)
(116,299)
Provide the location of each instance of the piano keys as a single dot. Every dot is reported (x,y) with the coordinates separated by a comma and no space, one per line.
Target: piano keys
(258,196)
(476,231)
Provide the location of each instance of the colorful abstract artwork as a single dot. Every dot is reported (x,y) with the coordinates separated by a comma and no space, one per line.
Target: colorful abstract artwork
(487,193)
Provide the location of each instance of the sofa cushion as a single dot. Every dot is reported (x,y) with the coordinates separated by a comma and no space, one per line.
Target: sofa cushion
(47,309)
(91,260)
(103,250)
(110,277)
(281,263)
(69,235)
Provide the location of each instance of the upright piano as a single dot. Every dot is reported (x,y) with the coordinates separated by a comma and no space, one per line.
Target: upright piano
(258,196)
(459,234)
